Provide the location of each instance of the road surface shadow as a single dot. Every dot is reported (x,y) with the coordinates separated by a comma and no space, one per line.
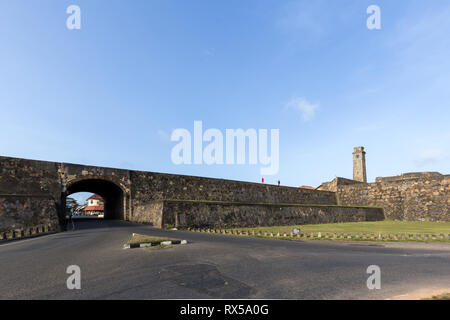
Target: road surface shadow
(205,278)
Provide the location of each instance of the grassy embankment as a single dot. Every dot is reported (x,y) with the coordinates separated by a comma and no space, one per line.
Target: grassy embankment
(357,230)
(445,296)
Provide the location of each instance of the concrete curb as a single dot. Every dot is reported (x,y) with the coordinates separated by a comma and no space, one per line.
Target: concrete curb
(27,233)
(153,244)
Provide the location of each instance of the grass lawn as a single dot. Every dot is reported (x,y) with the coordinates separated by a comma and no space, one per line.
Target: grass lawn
(378,227)
(445,296)
(391,227)
(140,238)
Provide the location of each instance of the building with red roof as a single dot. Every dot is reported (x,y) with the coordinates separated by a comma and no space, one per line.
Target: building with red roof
(95,206)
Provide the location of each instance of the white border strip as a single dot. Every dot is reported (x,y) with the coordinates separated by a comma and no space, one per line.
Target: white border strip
(143,245)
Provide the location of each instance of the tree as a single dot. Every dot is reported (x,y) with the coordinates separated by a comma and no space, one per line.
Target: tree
(71,205)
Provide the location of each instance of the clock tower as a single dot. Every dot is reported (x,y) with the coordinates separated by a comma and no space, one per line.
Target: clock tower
(359,164)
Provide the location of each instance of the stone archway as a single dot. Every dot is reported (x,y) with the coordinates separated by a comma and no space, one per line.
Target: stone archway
(115,196)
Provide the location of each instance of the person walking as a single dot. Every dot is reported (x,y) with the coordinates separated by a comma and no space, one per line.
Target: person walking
(71,220)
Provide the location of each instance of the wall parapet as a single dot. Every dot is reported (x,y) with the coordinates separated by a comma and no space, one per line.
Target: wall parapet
(412,176)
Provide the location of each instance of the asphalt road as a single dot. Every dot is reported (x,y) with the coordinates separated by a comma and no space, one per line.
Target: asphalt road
(210,266)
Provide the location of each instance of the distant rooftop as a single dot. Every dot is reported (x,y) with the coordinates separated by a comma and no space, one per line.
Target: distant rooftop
(95,197)
(94,208)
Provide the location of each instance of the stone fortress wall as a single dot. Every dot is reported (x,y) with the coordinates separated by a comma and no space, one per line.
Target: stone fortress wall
(417,196)
(410,197)
(33,192)
(201,214)
(150,189)
(29,193)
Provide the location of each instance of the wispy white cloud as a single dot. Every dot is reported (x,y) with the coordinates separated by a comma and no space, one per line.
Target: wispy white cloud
(304,107)
(311,21)
(209,52)
(301,16)
(430,156)
(422,44)
(164,136)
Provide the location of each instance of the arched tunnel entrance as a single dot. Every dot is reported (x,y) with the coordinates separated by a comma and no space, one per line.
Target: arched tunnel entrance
(111,193)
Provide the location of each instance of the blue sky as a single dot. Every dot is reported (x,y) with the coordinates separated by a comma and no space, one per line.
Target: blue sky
(111,93)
